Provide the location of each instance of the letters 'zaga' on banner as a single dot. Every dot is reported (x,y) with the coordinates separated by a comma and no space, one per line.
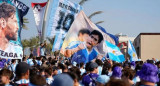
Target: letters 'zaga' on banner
(10,28)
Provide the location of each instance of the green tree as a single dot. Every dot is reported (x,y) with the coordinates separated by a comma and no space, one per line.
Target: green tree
(24,26)
(93,14)
(31,43)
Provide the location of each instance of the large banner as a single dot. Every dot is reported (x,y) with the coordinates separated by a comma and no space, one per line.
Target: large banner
(85,41)
(10,28)
(61,18)
(39,11)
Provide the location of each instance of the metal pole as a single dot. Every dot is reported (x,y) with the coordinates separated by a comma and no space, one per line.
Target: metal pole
(46,17)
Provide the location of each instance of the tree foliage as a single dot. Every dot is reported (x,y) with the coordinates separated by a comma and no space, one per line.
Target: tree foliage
(32,42)
(82,2)
(99,22)
(94,13)
(24,26)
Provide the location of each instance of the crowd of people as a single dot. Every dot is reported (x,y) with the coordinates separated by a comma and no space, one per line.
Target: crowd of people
(75,71)
(40,71)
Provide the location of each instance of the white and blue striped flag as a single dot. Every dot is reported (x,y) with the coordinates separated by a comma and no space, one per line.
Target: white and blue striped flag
(114,52)
(60,17)
(58,42)
(132,52)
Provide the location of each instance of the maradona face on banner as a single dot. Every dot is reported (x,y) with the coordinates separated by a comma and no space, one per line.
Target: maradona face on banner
(10,47)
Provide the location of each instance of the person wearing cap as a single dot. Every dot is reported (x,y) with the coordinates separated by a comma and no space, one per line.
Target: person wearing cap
(148,75)
(117,72)
(62,80)
(22,73)
(90,79)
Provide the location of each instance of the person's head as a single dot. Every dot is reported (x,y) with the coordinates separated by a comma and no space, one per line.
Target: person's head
(48,71)
(116,64)
(95,38)
(87,66)
(83,34)
(5,76)
(62,80)
(93,67)
(82,65)
(64,68)
(33,71)
(133,65)
(74,77)
(55,70)
(107,69)
(138,67)
(22,70)
(149,73)
(158,64)
(24,58)
(37,80)
(31,56)
(128,73)
(75,70)
(13,60)
(42,71)
(117,72)
(99,62)
(8,21)
(126,65)
(117,82)
(41,44)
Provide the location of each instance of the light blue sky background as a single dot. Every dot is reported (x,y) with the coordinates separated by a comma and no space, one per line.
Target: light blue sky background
(129,17)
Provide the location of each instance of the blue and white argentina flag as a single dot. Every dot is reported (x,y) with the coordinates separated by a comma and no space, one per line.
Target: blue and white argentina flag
(114,52)
(58,42)
(132,51)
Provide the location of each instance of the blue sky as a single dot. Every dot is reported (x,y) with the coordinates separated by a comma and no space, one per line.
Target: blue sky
(129,17)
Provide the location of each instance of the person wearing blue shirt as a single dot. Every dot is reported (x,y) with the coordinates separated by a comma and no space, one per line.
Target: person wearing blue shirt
(12,67)
(42,49)
(85,51)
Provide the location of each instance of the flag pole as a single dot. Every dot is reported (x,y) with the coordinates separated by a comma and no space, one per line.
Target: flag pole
(49,2)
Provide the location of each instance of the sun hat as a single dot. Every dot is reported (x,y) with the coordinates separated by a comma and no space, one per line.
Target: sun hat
(149,72)
(22,67)
(117,72)
(62,80)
